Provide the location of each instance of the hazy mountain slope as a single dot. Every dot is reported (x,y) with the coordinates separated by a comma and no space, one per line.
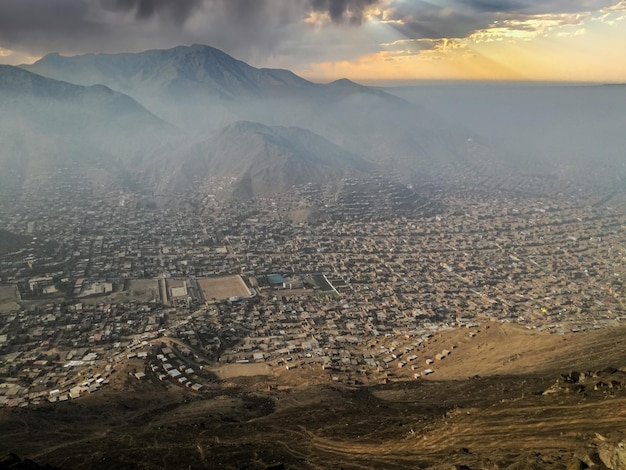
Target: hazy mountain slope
(200,88)
(180,69)
(190,86)
(36,98)
(257,159)
(45,123)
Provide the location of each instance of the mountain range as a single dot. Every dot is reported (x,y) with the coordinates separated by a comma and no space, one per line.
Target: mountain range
(171,120)
(46,123)
(200,89)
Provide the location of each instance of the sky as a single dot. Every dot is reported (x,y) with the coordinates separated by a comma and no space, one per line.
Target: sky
(370,41)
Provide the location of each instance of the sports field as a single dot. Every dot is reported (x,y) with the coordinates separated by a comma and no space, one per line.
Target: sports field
(222,288)
(228,371)
(139,290)
(8,299)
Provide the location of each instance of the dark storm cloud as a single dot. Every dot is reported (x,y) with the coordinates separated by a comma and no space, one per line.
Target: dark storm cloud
(340,11)
(419,19)
(23,17)
(257,31)
(532,7)
(426,20)
(493,5)
(35,27)
(175,10)
(251,30)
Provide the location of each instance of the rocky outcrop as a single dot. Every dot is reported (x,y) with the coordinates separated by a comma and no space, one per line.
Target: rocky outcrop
(606,380)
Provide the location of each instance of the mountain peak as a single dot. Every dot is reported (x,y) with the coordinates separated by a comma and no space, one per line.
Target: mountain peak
(209,51)
(50,56)
(343,81)
(344,84)
(262,160)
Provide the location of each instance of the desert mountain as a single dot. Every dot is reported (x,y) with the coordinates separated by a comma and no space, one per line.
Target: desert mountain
(255,160)
(179,70)
(193,87)
(45,124)
(51,127)
(199,88)
(202,90)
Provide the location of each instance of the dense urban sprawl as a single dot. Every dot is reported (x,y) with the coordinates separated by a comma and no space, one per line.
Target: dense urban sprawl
(353,285)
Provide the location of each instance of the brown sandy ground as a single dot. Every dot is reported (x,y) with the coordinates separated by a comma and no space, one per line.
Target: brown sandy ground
(484,407)
(223,287)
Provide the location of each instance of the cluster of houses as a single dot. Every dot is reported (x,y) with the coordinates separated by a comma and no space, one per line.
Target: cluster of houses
(180,372)
(376,265)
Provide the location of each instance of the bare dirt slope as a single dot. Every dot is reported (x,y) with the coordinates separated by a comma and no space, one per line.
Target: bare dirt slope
(503,348)
(506,398)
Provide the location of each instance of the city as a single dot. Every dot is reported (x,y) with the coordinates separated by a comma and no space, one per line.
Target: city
(186,297)
(313,234)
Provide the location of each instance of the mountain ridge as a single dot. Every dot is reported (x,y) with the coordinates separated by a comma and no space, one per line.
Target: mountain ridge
(45,122)
(276,159)
(200,89)
(189,63)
